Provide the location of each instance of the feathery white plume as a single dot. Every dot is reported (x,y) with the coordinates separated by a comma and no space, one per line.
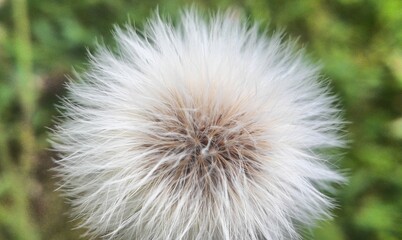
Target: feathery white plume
(205,129)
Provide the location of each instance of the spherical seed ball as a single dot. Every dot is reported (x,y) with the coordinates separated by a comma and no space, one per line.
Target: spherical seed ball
(206,129)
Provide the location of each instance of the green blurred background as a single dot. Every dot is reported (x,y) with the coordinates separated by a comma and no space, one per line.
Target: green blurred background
(358,42)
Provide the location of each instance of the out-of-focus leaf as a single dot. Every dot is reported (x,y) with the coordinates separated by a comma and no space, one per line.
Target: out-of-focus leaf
(374,214)
(329,230)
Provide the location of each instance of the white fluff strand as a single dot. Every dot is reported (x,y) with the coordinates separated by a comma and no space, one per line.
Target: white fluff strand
(205,129)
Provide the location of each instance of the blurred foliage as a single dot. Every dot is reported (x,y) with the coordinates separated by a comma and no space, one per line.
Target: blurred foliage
(358,42)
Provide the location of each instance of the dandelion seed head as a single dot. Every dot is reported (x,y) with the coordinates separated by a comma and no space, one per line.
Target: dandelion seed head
(207,129)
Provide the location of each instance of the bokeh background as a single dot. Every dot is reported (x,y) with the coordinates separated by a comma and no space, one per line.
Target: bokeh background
(359,44)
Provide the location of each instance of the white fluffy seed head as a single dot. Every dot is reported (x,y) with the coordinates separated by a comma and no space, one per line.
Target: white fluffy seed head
(205,129)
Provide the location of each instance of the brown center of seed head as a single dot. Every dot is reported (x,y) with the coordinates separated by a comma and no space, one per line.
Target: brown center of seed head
(205,146)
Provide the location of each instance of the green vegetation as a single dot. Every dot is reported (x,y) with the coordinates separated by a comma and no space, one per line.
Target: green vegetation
(358,42)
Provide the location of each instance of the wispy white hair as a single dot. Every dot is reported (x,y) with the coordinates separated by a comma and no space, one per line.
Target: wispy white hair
(204,129)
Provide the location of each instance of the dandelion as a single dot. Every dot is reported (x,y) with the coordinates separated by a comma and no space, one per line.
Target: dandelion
(204,129)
